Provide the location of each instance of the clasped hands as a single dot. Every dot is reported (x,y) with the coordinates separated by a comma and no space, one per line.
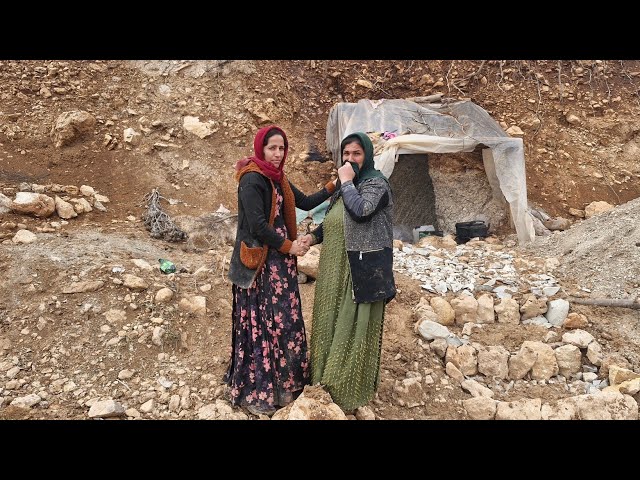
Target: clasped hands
(301,245)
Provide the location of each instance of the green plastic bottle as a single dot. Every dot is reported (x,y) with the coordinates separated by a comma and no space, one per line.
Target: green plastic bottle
(166,266)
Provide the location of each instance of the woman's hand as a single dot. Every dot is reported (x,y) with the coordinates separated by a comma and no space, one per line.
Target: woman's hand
(298,249)
(306,240)
(346,173)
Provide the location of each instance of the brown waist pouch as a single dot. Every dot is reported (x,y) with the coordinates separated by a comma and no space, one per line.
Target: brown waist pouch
(250,256)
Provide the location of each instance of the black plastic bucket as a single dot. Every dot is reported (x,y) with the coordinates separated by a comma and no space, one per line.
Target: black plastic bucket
(465,231)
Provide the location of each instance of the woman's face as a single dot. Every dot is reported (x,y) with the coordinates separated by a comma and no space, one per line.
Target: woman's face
(353,152)
(274,150)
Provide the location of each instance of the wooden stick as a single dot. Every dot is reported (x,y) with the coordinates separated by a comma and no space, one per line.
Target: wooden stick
(608,302)
(428,99)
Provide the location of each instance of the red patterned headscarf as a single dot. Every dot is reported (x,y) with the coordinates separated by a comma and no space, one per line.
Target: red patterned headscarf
(266,167)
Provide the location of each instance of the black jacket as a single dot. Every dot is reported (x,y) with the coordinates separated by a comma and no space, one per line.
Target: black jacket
(255,228)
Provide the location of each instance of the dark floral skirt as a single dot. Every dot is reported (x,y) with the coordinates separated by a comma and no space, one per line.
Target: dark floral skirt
(269,361)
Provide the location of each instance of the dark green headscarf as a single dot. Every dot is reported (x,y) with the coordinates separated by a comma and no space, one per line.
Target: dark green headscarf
(367,170)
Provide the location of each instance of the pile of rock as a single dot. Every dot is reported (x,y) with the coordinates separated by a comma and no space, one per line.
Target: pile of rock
(36,200)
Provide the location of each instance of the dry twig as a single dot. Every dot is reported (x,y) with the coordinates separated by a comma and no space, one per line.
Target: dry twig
(120,381)
(158,222)
(560,80)
(474,74)
(602,171)
(635,87)
(604,75)
(535,75)
(500,64)
(452,82)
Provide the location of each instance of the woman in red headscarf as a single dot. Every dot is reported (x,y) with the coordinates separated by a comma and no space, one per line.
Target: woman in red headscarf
(269,360)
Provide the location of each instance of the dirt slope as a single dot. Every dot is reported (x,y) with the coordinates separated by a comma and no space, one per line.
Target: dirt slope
(579,124)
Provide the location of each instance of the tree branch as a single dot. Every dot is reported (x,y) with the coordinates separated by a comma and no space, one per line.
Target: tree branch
(608,302)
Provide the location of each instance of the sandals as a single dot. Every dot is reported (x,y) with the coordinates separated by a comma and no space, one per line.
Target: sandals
(255,410)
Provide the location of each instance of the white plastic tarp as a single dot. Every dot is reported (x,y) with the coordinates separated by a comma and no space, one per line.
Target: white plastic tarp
(439,128)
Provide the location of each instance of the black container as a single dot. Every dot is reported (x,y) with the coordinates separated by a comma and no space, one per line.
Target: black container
(465,231)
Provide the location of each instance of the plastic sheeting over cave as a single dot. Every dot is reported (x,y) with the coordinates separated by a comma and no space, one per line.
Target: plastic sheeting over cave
(446,127)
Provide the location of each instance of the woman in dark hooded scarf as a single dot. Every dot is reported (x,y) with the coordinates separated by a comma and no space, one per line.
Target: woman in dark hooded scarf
(355,278)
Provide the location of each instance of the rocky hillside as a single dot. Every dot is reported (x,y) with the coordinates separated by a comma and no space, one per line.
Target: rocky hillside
(90,327)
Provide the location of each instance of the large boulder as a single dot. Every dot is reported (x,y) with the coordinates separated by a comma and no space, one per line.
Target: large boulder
(71,126)
(31,203)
